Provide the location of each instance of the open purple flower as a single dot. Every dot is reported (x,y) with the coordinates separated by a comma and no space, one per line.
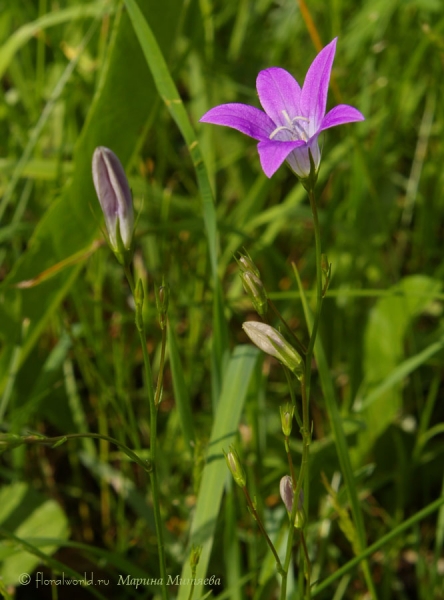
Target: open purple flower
(293,118)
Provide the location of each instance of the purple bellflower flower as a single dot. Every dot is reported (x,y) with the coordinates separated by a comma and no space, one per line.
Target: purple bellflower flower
(293,118)
(115,198)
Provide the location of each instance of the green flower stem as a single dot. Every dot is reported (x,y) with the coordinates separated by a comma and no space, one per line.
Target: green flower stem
(262,529)
(193,577)
(306,438)
(293,399)
(320,292)
(153,435)
(319,296)
(308,567)
(305,390)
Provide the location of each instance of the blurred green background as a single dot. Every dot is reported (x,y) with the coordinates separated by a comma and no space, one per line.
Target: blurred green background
(74,76)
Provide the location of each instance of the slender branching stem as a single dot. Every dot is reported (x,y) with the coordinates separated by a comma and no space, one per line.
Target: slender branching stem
(153,435)
(306,438)
(305,380)
(319,290)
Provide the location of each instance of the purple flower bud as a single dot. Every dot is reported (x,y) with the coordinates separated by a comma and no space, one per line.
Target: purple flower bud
(115,199)
(287,495)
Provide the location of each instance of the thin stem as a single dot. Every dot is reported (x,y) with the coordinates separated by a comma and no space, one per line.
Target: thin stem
(305,390)
(319,296)
(153,434)
(262,528)
(293,400)
(306,385)
(308,564)
(306,438)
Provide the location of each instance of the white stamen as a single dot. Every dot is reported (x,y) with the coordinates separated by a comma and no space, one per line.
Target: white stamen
(287,118)
(278,129)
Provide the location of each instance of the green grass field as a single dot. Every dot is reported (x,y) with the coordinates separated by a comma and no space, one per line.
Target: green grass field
(106,492)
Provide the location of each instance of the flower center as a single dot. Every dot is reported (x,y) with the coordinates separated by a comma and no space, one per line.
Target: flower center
(296,129)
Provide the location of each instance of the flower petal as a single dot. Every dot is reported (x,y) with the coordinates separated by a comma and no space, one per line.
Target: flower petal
(315,88)
(339,115)
(273,153)
(244,118)
(299,159)
(278,92)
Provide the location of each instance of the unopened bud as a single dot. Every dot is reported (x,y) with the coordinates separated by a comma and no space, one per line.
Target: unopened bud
(287,413)
(256,291)
(196,551)
(287,495)
(246,263)
(270,341)
(162,300)
(115,198)
(234,464)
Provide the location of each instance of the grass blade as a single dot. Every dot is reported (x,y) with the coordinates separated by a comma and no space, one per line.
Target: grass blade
(170,95)
(234,391)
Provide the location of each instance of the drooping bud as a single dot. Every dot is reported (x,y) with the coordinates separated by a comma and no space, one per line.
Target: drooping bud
(234,464)
(270,341)
(115,198)
(256,291)
(287,413)
(287,495)
(162,299)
